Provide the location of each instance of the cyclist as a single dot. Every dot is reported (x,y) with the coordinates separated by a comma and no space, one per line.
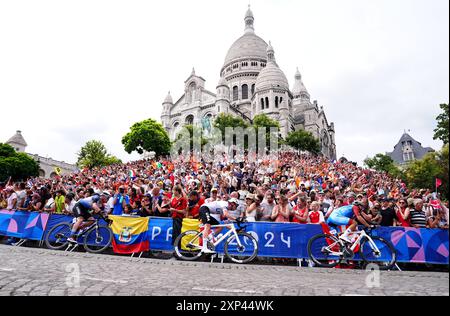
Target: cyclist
(351,216)
(210,216)
(83,212)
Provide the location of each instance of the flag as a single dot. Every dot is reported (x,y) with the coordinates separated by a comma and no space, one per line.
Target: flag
(130,234)
(132,174)
(438,182)
(58,170)
(190,224)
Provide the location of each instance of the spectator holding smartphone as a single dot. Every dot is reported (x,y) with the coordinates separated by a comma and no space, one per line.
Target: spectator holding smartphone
(402,213)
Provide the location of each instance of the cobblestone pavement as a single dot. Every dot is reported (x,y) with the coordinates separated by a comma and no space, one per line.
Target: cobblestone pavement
(29,271)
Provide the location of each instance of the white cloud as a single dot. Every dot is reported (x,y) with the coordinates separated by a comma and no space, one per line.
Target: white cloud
(75,71)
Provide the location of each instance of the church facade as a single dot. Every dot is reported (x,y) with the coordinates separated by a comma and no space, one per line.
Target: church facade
(48,167)
(251,83)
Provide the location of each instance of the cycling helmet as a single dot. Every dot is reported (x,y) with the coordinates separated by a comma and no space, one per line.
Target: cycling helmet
(95,198)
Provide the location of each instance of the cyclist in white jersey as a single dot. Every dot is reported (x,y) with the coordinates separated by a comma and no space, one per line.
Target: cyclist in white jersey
(210,214)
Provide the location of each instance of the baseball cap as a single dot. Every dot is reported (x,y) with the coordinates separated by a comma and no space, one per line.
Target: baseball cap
(233,200)
(106,193)
(250,196)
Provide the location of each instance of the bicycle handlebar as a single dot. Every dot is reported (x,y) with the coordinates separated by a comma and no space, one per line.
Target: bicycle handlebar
(240,221)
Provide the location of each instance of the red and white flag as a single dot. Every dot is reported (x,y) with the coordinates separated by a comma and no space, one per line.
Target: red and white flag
(438,183)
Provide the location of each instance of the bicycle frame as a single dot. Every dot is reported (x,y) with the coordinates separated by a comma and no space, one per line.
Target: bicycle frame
(95,223)
(232,231)
(228,234)
(361,235)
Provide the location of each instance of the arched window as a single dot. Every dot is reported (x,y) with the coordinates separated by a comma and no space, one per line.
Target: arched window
(235,93)
(262,103)
(276,102)
(175,130)
(281,100)
(244,92)
(267,103)
(253,89)
(190,120)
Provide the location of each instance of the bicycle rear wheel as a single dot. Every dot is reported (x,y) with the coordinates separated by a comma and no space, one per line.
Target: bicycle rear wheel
(98,239)
(246,252)
(385,257)
(325,250)
(56,238)
(187,246)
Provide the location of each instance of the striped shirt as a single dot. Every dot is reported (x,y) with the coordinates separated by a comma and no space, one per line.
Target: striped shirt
(418,218)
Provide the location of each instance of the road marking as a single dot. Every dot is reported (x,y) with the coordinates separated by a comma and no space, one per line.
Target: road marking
(7,269)
(225,290)
(107,281)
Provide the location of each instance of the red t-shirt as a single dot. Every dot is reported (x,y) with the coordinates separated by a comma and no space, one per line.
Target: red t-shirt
(196,209)
(299,213)
(405,223)
(314,217)
(178,204)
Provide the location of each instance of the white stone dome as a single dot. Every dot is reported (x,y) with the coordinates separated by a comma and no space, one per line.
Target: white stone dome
(249,45)
(271,77)
(222,82)
(168,99)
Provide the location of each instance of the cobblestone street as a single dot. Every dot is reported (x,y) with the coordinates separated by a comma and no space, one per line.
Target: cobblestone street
(29,271)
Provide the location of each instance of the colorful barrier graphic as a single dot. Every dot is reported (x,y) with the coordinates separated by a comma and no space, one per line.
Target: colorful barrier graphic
(23,225)
(276,240)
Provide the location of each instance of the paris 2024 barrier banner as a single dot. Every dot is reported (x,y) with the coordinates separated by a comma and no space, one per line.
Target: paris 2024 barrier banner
(277,240)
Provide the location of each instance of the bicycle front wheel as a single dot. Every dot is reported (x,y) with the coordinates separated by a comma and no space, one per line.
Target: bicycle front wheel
(325,251)
(187,246)
(56,238)
(379,252)
(98,239)
(244,251)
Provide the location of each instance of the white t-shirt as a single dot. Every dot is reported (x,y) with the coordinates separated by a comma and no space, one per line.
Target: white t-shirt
(69,207)
(50,203)
(10,200)
(216,208)
(21,196)
(109,206)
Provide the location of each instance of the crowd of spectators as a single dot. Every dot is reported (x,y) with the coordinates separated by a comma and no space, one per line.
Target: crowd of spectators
(296,188)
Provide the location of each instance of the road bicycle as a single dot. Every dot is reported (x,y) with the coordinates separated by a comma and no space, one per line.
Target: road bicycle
(95,238)
(240,247)
(328,250)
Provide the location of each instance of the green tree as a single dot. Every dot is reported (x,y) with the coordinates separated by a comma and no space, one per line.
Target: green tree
(94,154)
(18,166)
(380,162)
(149,136)
(303,140)
(423,173)
(263,121)
(384,163)
(443,162)
(226,120)
(191,129)
(441,131)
